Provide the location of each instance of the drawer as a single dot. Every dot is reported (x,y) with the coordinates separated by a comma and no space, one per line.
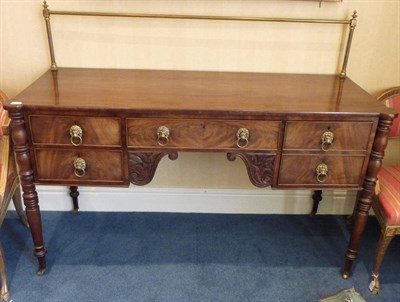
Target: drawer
(203,134)
(300,170)
(58,165)
(55,130)
(346,135)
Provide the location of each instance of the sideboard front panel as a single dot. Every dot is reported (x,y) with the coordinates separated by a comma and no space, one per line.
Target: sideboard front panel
(201,134)
(57,165)
(96,131)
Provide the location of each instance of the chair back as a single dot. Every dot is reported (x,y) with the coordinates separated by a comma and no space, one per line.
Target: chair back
(3,113)
(391,98)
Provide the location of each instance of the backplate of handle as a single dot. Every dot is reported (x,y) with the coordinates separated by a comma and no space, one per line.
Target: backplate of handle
(163,135)
(79,167)
(76,134)
(243,136)
(326,140)
(322,172)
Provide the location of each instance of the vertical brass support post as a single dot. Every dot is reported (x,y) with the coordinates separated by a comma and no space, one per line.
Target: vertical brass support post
(353,23)
(46,15)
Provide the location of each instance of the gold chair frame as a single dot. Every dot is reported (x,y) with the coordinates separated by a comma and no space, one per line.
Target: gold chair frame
(9,190)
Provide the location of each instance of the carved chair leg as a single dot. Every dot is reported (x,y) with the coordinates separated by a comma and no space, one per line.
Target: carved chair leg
(73,192)
(17,200)
(317,197)
(4,294)
(383,243)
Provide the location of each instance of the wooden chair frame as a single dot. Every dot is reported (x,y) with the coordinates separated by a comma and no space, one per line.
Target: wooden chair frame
(9,190)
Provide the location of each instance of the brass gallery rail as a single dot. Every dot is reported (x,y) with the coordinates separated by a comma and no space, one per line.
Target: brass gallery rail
(352,24)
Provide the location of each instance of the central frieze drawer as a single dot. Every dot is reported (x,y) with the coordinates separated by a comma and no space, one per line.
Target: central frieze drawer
(346,135)
(61,165)
(301,170)
(203,134)
(95,131)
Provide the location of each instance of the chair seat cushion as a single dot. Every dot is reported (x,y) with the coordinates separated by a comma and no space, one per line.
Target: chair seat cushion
(389,195)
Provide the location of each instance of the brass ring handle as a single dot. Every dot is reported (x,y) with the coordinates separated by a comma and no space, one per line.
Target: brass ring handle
(76,135)
(322,172)
(243,135)
(162,135)
(326,140)
(79,167)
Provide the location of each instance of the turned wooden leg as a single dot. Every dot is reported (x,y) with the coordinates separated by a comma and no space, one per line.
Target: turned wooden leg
(317,197)
(73,192)
(4,294)
(359,221)
(383,243)
(23,157)
(364,198)
(17,200)
(350,218)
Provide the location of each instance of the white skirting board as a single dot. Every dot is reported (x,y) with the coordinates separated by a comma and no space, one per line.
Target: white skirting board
(235,201)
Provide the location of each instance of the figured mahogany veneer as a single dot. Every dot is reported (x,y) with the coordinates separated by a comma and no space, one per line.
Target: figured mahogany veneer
(98,131)
(120,111)
(348,136)
(56,166)
(299,170)
(202,134)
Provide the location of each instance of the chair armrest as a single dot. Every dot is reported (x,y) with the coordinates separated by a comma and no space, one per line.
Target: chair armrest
(4,164)
(5,123)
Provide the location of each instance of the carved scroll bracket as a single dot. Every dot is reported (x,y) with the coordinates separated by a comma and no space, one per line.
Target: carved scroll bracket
(260,167)
(143,165)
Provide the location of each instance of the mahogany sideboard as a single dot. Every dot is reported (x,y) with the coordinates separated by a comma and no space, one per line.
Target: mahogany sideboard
(111,127)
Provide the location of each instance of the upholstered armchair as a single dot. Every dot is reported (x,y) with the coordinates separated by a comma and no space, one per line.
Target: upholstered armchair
(9,187)
(387,204)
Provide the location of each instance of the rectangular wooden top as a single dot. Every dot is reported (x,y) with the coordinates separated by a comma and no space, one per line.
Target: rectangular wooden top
(202,91)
